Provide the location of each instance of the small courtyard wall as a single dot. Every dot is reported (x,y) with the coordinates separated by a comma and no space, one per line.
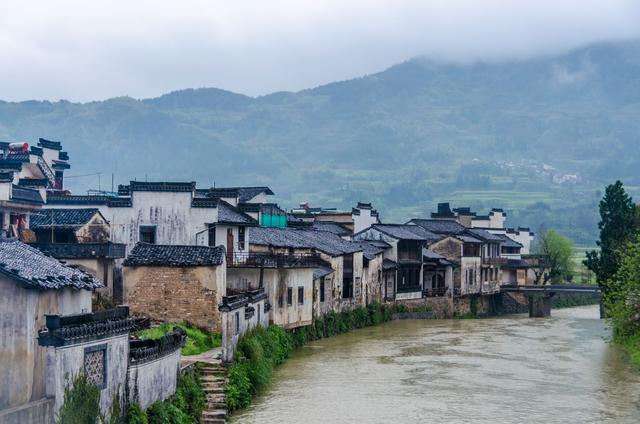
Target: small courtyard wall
(154,380)
(67,361)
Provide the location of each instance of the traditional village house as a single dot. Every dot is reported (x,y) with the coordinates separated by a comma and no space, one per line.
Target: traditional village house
(26,173)
(172,213)
(404,259)
(514,269)
(80,237)
(334,281)
(372,264)
(359,218)
(176,283)
(33,285)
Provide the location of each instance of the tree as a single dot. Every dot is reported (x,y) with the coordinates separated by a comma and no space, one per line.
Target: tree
(554,254)
(618,224)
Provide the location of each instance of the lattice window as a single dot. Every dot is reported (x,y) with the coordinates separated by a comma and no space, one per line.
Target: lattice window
(95,365)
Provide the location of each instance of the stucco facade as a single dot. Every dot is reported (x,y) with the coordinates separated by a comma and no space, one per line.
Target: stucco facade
(22,314)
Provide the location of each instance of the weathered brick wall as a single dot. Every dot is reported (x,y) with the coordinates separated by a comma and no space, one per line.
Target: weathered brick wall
(175,294)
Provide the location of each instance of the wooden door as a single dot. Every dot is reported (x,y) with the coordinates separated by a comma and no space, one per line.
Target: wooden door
(229,244)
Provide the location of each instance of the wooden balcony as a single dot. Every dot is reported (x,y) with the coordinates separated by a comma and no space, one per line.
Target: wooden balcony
(274,260)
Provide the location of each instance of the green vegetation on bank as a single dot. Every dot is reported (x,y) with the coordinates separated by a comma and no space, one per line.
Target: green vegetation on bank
(198,340)
(184,407)
(81,404)
(617,266)
(261,350)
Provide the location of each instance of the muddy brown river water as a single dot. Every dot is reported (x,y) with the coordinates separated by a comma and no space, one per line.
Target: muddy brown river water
(504,370)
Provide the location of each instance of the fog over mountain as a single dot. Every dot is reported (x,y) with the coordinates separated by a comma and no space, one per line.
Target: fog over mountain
(538,136)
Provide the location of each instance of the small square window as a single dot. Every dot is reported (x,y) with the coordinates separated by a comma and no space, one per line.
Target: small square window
(301,295)
(148,234)
(95,365)
(289,296)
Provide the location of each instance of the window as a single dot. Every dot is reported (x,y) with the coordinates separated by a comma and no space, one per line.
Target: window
(241,238)
(347,277)
(212,235)
(289,296)
(301,295)
(237,323)
(148,234)
(95,365)
(322,290)
(281,300)
(258,307)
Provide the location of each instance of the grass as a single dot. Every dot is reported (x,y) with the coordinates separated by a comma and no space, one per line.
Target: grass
(198,340)
(632,346)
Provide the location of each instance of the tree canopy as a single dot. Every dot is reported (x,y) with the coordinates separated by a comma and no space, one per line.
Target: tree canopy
(555,252)
(618,224)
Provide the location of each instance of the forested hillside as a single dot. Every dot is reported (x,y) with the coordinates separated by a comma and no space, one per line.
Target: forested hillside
(539,137)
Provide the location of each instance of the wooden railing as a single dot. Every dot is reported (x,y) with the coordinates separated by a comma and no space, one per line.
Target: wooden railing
(274,260)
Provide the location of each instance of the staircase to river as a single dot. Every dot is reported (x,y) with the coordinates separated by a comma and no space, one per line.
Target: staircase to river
(214,377)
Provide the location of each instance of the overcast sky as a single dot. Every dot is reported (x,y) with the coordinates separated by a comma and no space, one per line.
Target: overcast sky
(89,50)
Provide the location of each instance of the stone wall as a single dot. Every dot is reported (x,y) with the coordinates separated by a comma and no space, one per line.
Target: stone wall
(175,294)
(447,307)
(155,380)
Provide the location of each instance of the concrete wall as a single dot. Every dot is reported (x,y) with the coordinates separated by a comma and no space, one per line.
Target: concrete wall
(100,268)
(232,332)
(40,412)
(155,380)
(67,361)
(176,294)
(21,316)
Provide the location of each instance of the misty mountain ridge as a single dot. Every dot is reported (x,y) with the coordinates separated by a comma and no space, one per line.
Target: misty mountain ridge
(539,137)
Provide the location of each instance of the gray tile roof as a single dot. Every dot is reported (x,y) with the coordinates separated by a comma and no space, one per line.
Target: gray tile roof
(332,227)
(144,254)
(61,218)
(468,239)
(484,235)
(36,270)
(25,195)
(323,241)
(434,257)
(370,249)
(322,271)
(388,264)
(440,226)
(508,241)
(406,232)
(229,214)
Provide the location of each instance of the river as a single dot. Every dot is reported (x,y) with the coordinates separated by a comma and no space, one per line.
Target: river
(501,370)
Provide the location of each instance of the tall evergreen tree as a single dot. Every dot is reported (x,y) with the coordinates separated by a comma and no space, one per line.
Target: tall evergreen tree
(617,227)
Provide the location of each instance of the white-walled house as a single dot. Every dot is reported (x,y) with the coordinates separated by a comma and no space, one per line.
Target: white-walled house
(26,174)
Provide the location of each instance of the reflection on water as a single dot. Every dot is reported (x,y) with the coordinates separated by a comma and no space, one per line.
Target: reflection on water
(503,370)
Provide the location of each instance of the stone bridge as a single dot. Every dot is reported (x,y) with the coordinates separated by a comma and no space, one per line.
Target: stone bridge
(539,296)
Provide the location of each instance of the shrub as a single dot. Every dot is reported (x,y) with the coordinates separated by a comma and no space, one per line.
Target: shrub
(189,396)
(198,340)
(81,404)
(135,414)
(238,390)
(166,413)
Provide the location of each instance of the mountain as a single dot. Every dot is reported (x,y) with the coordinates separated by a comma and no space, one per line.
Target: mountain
(540,137)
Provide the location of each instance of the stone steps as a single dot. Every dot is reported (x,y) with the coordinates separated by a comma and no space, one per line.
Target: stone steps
(214,378)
